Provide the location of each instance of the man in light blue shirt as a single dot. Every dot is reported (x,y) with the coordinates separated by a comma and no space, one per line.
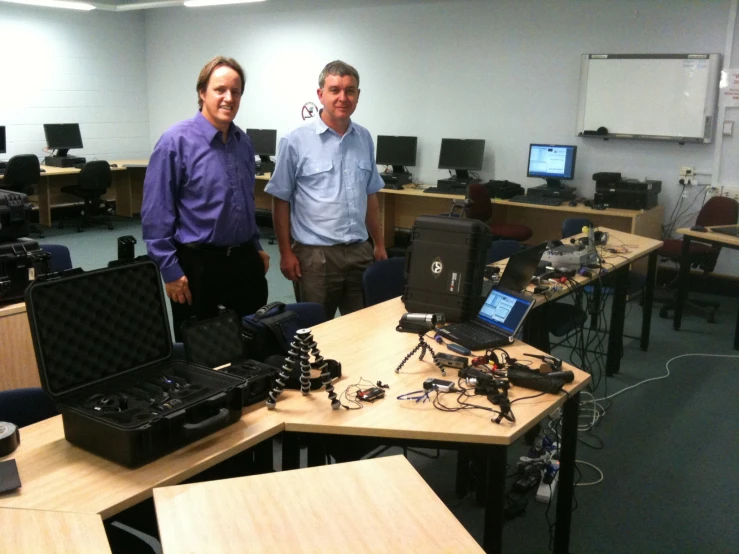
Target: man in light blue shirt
(324,190)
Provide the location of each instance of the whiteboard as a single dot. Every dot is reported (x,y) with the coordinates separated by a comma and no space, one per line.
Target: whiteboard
(657,97)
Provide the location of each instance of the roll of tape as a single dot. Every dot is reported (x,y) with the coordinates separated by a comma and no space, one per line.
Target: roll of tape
(10,438)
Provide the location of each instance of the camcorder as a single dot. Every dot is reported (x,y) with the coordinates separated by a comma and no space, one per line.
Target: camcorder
(420,323)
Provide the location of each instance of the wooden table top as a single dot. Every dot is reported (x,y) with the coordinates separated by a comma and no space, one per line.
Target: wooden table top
(57,475)
(728,240)
(25,531)
(378,505)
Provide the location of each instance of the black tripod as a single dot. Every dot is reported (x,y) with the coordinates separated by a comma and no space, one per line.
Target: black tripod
(423,346)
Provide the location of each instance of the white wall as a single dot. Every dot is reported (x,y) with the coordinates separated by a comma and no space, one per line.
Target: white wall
(60,66)
(503,70)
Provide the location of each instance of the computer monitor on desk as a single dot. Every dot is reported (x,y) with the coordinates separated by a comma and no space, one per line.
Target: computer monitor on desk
(61,138)
(398,152)
(463,156)
(554,163)
(264,142)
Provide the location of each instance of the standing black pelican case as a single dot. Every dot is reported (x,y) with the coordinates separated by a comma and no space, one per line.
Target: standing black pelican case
(103,348)
(445,266)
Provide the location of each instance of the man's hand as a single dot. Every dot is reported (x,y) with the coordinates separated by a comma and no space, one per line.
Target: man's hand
(179,291)
(380,253)
(265,260)
(290,266)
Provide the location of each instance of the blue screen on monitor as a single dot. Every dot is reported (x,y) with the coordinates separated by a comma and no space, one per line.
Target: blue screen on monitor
(552,161)
(504,310)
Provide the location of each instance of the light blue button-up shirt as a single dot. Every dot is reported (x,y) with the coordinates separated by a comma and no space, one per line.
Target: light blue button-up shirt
(326,178)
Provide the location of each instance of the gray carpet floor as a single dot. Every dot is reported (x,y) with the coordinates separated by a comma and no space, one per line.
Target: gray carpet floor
(666,449)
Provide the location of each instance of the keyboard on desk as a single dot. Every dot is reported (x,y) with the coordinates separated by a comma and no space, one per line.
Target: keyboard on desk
(438,191)
(540,200)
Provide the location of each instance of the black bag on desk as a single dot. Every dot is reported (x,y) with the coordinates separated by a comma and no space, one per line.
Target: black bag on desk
(14,210)
(269,331)
(103,348)
(20,262)
(217,342)
(445,265)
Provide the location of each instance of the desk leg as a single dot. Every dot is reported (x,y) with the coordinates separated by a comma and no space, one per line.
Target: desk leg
(619,278)
(264,457)
(736,332)
(646,316)
(566,475)
(536,327)
(44,202)
(682,283)
(492,540)
(316,450)
(290,451)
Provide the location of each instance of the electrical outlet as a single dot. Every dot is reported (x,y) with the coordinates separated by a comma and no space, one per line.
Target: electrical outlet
(687,171)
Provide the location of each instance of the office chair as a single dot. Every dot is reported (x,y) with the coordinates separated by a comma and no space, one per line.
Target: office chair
(482,210)
(502,249)
(92,183)
(60,257)
(26,406)
(22,173)
(383,280)
(719,210)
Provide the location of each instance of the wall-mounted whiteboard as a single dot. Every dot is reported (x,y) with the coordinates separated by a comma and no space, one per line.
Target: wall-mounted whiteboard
(641,96)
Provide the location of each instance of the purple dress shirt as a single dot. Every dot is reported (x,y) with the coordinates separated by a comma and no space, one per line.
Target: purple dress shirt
(198,189)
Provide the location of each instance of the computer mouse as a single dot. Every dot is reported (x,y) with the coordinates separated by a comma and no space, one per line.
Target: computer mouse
(113,165)
(572,202)
(42,170)
(700,228)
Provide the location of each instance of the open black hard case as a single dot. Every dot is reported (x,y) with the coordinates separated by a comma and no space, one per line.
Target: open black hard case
(103,348)
(217,342)
(445,266)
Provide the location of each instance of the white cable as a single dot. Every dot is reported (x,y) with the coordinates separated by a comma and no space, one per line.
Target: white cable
(596,468)
(667,374)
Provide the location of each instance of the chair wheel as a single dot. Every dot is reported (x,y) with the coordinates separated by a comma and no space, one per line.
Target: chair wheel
(60,225)
(711,318)
(79,228)
(663,313)
(110,226)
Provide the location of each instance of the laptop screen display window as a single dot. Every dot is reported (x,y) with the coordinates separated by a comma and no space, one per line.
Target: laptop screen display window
(504,311)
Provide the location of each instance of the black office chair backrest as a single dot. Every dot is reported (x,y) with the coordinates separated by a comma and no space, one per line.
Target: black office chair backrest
(95,176)
(23,171)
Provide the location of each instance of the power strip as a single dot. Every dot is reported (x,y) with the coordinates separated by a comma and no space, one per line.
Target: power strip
(545,491)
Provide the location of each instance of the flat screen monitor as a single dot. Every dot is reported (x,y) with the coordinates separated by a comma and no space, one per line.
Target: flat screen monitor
(461,155)
(398,152)
(62,137)
(2,140)
(553,162)
(264,142)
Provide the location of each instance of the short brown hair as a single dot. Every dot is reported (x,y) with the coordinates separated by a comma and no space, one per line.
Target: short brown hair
(337,67)
(210,67)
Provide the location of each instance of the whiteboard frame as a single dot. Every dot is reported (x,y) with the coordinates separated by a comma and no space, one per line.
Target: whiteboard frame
(709,108)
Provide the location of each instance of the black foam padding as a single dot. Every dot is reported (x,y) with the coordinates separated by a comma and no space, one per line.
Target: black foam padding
(98,324)
(215,341)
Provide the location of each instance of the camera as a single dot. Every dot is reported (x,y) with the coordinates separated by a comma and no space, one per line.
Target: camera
(420,323)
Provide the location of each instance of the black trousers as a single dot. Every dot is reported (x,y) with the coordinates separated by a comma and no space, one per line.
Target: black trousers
(233,278)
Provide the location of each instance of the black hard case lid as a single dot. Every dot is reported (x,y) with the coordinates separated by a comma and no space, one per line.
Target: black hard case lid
(97,326)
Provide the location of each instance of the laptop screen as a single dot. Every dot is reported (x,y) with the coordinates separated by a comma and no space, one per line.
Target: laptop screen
(521,267)
(733,231)
(504,310)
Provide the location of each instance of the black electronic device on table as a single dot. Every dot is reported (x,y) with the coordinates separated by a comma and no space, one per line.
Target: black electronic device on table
(3,146)
(731,231)
(554,163)
(264,142)
(462,156)
(104,354)
(61,138)
(398,152)
(537,200)
(521,267)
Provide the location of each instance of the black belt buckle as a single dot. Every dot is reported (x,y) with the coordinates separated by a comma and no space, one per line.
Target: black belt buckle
(230,249)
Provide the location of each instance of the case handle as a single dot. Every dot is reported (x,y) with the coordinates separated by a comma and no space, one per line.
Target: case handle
(207,425)
(264,310)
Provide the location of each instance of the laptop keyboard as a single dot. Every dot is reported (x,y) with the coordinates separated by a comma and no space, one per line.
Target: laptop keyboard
(471,332)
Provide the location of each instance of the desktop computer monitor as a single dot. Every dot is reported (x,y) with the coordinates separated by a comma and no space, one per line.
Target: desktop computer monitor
(552,162)
(2,140)
(62,137)
(264,142)
(461,155)
(398,152)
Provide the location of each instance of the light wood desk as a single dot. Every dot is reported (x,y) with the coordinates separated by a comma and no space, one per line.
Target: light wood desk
(400,208)
(17,359)
(379,505)
(25,531)
(126,190)
(717,239)
(59,476)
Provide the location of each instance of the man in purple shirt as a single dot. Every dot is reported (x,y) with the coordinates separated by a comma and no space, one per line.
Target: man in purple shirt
(198,210)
